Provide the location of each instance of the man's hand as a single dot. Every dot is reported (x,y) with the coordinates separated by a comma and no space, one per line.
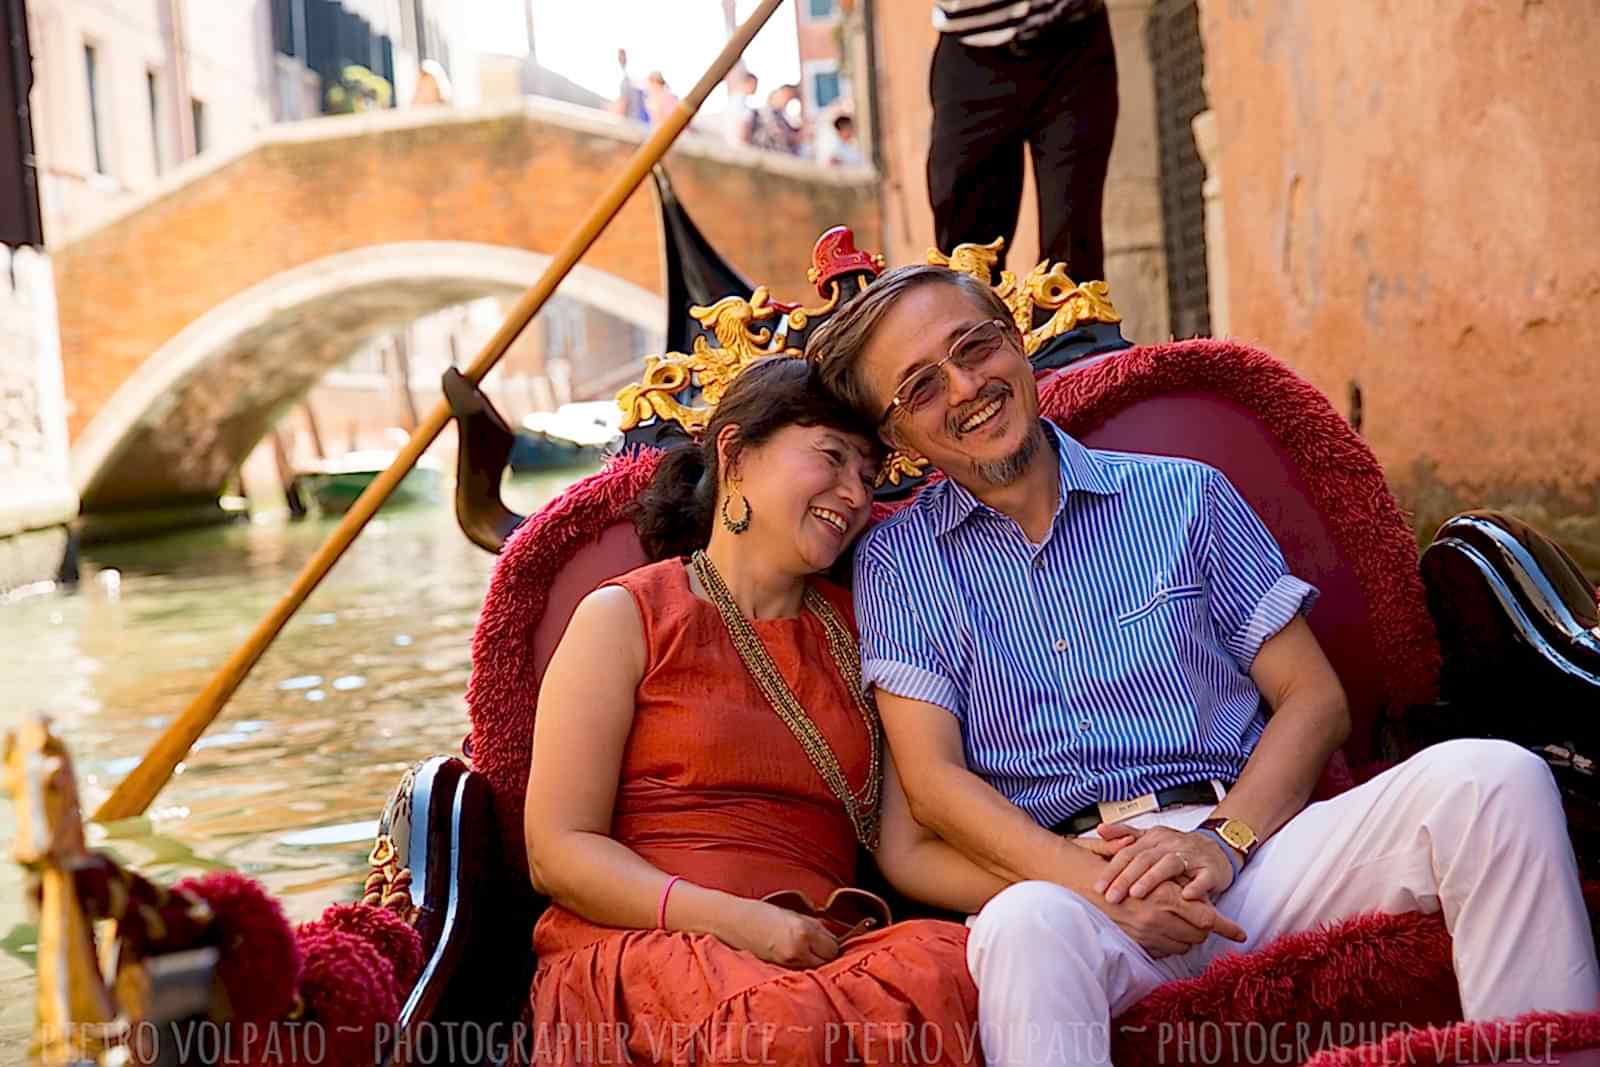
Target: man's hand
(1149,858)
(1166,924)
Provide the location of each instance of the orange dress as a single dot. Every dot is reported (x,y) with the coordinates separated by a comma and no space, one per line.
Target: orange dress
(715,788)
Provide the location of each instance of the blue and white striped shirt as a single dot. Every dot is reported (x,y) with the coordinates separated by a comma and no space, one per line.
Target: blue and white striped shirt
(1105,663)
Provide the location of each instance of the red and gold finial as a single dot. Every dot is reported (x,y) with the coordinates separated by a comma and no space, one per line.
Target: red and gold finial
(835,254)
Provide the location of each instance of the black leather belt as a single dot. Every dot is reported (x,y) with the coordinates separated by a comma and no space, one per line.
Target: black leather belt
(1094,814)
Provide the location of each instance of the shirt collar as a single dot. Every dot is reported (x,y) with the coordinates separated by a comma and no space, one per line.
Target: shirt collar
(1080,471)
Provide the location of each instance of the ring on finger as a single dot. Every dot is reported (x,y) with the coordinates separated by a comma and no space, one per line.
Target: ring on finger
(1183,860)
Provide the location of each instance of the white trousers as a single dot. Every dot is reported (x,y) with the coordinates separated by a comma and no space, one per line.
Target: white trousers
(1470,827)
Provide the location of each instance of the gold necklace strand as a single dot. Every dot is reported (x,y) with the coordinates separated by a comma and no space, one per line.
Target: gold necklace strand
(862,809)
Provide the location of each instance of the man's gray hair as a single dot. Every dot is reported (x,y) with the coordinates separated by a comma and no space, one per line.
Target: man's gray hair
(837,344)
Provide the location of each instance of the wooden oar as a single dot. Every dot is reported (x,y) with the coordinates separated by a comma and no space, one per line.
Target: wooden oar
(134,794)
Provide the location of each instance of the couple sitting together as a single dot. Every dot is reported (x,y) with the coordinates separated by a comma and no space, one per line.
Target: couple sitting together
(1102,715)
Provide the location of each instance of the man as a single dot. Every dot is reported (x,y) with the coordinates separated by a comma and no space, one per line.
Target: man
(741,113)
(772,129)
(1051,627)
(630,101)
(1036,72)
(845,152)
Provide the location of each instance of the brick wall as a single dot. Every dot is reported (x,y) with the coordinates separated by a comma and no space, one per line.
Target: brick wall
(521,177)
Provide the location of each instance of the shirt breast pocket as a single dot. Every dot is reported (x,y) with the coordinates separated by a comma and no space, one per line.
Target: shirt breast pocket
(1163,601)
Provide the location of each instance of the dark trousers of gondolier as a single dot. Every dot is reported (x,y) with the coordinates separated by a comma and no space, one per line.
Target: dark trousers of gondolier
(1056,92)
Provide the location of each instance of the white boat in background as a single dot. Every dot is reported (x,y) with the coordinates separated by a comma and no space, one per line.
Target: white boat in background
(572,435)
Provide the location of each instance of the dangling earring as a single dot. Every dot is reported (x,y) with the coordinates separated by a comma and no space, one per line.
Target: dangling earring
(732,525)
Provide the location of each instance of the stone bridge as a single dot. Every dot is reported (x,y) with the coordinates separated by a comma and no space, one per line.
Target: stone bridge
(195,316)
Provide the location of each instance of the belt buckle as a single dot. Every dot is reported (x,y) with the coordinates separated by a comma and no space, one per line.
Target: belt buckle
(1112,811)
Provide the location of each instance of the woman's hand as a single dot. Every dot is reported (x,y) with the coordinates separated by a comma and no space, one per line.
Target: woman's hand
(780,936)
(1104,847)
(1165,923)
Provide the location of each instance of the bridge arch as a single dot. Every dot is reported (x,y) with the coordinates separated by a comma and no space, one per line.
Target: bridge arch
(139,290)
(176,428)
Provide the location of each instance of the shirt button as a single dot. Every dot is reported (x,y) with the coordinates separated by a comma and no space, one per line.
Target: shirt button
(1161,597)
(1083,725)
(1061,644)
(1038,563)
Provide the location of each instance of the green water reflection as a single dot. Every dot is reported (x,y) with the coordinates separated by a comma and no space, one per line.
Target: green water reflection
(368,678)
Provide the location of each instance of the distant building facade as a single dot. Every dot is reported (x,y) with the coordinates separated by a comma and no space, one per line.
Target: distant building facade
(125,90)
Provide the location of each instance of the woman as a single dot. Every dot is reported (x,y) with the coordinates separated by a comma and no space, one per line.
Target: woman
(701,742)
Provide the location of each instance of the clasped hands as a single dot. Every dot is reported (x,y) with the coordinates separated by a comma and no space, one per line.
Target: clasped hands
(1158,885)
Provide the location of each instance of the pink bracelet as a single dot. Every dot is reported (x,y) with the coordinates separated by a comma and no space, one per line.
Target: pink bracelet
(661,912)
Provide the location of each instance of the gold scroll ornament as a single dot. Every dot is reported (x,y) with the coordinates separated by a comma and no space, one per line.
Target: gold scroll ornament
(740,340)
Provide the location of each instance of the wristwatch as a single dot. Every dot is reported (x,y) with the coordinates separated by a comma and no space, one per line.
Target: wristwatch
(1234,833)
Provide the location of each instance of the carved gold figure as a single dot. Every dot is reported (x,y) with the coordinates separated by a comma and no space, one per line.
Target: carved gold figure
(732,321)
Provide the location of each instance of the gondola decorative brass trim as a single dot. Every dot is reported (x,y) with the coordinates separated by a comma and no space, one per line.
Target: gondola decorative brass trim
(740,339)
(1047,287)
(732,321)
(798,318)
(388,884)
(76,1017)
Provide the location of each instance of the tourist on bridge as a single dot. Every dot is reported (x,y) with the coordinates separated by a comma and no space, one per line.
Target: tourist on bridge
(773,129)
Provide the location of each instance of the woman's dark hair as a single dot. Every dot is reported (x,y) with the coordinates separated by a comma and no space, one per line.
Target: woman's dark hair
(675,512)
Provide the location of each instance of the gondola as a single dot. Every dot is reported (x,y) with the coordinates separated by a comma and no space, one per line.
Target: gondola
(1492,631)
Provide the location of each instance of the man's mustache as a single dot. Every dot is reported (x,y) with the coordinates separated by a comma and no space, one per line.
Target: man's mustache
(985,395)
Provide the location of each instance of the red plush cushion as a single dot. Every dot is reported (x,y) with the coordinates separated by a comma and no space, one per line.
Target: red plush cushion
(1310,477)
(551,562)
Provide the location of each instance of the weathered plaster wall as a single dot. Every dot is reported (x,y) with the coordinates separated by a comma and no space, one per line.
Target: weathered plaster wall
(1412,202)
(35,491)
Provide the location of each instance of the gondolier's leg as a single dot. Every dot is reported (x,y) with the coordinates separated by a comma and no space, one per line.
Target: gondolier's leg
(1071,144)
(1470,827)
(975,153)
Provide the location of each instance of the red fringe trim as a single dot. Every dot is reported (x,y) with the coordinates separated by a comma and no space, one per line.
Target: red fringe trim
(503,690)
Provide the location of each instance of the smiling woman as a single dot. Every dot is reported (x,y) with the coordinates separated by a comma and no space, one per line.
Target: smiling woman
(670,817)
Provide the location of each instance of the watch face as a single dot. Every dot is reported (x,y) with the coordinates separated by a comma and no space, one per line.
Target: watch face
(1237,834)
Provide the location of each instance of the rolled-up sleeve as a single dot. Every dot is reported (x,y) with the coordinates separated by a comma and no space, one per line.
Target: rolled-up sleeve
(897,654)
(1252,595)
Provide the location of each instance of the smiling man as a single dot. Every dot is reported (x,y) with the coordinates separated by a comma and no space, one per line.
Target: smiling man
(1066,641)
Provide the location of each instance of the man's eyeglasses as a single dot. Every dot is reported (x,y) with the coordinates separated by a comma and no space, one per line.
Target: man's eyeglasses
(971,351)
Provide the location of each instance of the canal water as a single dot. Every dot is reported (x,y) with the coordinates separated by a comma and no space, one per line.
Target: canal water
(286,786)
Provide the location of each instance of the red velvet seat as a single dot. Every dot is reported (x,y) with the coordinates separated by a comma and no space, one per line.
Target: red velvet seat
(1317,487)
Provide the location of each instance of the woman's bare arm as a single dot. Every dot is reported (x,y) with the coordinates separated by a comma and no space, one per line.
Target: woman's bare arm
(921,864)
(585,713)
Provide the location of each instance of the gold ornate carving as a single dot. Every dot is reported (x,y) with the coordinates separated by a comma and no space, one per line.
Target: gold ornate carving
(976,260)
(740,342)
(798,318)
(1069,303)
(388,884)
(76,1016)
(901,464)
(1047,287)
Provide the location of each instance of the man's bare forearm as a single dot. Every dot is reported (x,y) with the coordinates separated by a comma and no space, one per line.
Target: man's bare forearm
(1283,770)
(973,817)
